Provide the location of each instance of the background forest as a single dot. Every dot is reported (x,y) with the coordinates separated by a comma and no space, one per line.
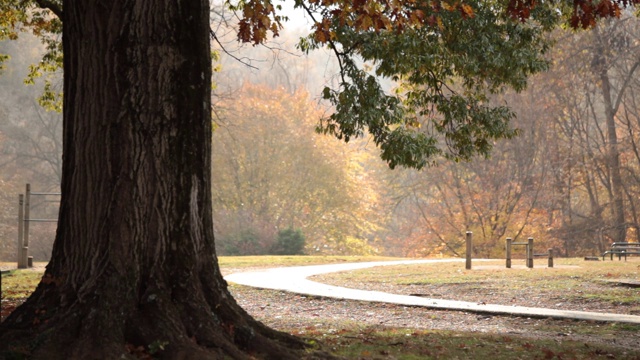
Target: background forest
(571,179)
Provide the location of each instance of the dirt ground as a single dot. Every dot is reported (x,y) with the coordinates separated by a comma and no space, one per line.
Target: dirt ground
(288,312)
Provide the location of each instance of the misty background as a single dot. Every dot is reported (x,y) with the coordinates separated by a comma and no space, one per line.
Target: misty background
(571,179)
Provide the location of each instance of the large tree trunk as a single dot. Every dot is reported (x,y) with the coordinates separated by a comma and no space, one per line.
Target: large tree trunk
(133,262)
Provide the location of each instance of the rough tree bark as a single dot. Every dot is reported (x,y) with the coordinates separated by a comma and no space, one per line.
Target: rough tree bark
(133,262)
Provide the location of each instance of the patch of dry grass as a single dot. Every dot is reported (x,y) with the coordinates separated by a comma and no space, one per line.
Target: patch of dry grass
(230,264)
(375,342)
(572,284)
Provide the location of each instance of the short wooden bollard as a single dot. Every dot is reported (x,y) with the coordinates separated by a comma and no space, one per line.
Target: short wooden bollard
(509,240)
(550,258)
(469,244)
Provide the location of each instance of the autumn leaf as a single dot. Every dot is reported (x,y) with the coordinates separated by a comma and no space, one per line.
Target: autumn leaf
(259,18)
(467,11)
(363,22)
(320,36)
(447,6)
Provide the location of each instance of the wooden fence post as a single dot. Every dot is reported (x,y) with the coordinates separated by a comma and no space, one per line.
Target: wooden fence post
(27,214)
(550,258)
(509,240)
(469,244)
(530,252)
(22,264)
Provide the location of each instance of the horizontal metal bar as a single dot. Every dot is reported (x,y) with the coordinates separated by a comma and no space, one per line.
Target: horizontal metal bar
(42,220)
(519,243)
(41,193)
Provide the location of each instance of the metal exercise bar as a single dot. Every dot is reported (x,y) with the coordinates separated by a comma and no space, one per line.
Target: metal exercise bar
(24,218)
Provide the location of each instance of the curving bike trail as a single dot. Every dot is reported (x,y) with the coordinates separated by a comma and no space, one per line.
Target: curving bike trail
(294,279)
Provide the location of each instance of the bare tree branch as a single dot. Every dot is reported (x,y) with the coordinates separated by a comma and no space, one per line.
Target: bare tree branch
(213,35)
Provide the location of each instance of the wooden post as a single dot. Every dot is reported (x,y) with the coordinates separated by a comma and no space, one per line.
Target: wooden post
(530,253)
(469,244)
(509,240)
(22,264)
(550,258)
(25,241)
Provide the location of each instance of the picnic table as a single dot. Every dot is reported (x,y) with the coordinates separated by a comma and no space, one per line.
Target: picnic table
(622,249)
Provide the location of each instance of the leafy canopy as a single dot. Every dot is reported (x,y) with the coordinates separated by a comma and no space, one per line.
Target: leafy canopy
(445,58)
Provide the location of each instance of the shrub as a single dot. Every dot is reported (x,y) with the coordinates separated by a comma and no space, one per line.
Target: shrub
(243,243)
(289,242)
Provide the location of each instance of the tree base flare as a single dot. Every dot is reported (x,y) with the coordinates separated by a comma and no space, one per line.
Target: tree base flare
(180,323)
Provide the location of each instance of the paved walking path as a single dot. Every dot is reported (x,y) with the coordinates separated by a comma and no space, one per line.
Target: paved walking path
(294,279)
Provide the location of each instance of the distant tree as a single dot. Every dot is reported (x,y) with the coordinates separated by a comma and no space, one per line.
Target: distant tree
(273,173)
(594,97)
(30,148)
(33,142)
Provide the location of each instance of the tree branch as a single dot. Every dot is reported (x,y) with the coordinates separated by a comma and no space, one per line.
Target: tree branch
(616,106)
(331,43)
(213,35)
